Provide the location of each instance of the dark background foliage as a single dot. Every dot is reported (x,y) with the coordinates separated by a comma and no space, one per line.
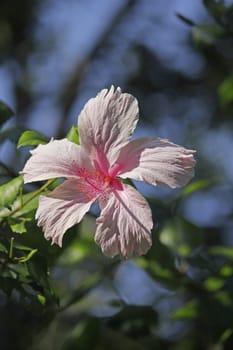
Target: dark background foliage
(176,57)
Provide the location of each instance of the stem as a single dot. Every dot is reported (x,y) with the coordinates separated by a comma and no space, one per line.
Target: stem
(40,190)
(11,248)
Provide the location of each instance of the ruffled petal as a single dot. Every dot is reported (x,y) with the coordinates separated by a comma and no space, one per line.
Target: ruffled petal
(106,124)
(61,209)
(124,225)
(156,161)
(59,158)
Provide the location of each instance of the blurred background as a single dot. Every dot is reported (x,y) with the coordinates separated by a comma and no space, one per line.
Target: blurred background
(176,58)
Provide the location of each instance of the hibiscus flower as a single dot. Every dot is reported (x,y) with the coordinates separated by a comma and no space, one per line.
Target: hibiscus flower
(95,169)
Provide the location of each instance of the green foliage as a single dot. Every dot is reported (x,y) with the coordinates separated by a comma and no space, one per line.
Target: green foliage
(32,138)
(199,185)
(49,295)
(181,236)
(12,134)
(225,91)
(176,262)
(5,113)
(22,275)
(215,7)
(227,252)
(73,135)
(221,13)
(187,312)
(205,35)
(9,191)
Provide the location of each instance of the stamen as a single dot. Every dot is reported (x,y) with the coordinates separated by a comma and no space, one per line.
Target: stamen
(94,183)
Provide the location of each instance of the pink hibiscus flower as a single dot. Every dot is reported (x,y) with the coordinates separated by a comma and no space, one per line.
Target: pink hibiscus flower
(94,171)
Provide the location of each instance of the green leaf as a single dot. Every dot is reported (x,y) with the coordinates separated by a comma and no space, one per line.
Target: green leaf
(227,252)
(11,134)
(5,113)
(226,271)
(9,191)
(226,334)
(23,208)
(32,138)
(225,91)
(206,35)
(187,312)
(181,236)
(41,298)
(20,227)
(22,247)
(129,182)
(198,186)
(73,135)
(214,283)
(224,297)
(222,14)
(215,8)
(4,212)
(3,249)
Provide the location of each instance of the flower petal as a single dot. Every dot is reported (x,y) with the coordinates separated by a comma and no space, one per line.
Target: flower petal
(156,161)
(106,124)
(59,158)
(125,223)
(61,209)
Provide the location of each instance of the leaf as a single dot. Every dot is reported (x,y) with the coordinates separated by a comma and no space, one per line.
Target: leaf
(11,134)
(41,298)
(185,19)
(32,138)
(225,91)
(226,334)
(9,191)
(214,283)
(187,312)
(226,271)
(215,8)
(5,171)
(4,212)
(5,113)
(20,227)
(25,208)
(8,284)
(22,209)
(222,14)
(164,275)
(3,248)
(73,135)
(86,334)
(38,271)
(206,35)
(198,186)
(181,236)
(227,252)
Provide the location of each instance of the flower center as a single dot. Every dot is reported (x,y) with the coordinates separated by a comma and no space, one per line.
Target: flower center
(94,183)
